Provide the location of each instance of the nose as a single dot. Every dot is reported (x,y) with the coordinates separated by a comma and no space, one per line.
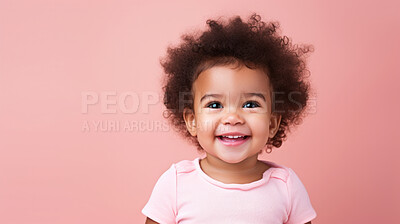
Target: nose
(232,118)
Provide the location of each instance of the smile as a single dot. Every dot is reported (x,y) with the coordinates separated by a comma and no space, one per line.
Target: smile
(233,140)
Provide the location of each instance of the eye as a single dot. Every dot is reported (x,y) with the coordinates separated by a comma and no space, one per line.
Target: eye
(214,105)
(251,104)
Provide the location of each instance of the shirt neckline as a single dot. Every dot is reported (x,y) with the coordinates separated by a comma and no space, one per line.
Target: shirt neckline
(247,186)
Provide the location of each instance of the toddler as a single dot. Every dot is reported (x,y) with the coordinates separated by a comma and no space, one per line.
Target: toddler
(234,91)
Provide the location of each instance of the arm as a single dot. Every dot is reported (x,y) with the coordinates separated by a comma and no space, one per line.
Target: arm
(150,221)
(161,207)
(300,209)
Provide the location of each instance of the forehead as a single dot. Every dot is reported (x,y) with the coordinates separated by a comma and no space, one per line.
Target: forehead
(227,80)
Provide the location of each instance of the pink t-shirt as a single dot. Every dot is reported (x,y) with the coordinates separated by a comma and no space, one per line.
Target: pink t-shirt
(184,194)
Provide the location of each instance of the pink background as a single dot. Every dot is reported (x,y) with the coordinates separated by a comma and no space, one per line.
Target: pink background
(52,52)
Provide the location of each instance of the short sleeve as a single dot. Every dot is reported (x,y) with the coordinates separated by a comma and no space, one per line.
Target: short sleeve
(161,206)
(300,210)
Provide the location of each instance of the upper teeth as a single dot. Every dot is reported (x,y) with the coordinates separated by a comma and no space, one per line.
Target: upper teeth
(239,136)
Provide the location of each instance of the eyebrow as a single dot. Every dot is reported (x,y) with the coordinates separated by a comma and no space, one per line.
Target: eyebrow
(260,95)
(210,95)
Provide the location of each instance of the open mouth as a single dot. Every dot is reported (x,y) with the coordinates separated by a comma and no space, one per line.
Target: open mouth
(233,140)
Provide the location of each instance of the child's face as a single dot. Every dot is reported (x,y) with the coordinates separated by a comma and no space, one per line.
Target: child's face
(232,111)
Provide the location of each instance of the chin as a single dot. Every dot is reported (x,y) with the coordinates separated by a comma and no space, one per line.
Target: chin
(232,158)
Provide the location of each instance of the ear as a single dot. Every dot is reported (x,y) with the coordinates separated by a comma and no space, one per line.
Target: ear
(190,120)
(274,124)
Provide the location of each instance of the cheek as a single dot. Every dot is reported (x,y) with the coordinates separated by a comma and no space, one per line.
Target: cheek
(259,125)
(205,131)
(206,125)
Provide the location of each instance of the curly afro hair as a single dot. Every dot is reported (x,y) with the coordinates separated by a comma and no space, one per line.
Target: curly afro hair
(255,44)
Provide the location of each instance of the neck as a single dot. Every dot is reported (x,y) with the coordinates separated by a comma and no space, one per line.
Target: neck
(247,166)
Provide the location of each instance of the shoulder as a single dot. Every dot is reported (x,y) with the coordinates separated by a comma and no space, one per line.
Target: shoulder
(169,173)
(299,207)
(177,169)
(281,172)
(185,166)
(286,175)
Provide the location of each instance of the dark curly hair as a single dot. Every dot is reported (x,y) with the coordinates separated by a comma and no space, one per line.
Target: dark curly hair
(255,44)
